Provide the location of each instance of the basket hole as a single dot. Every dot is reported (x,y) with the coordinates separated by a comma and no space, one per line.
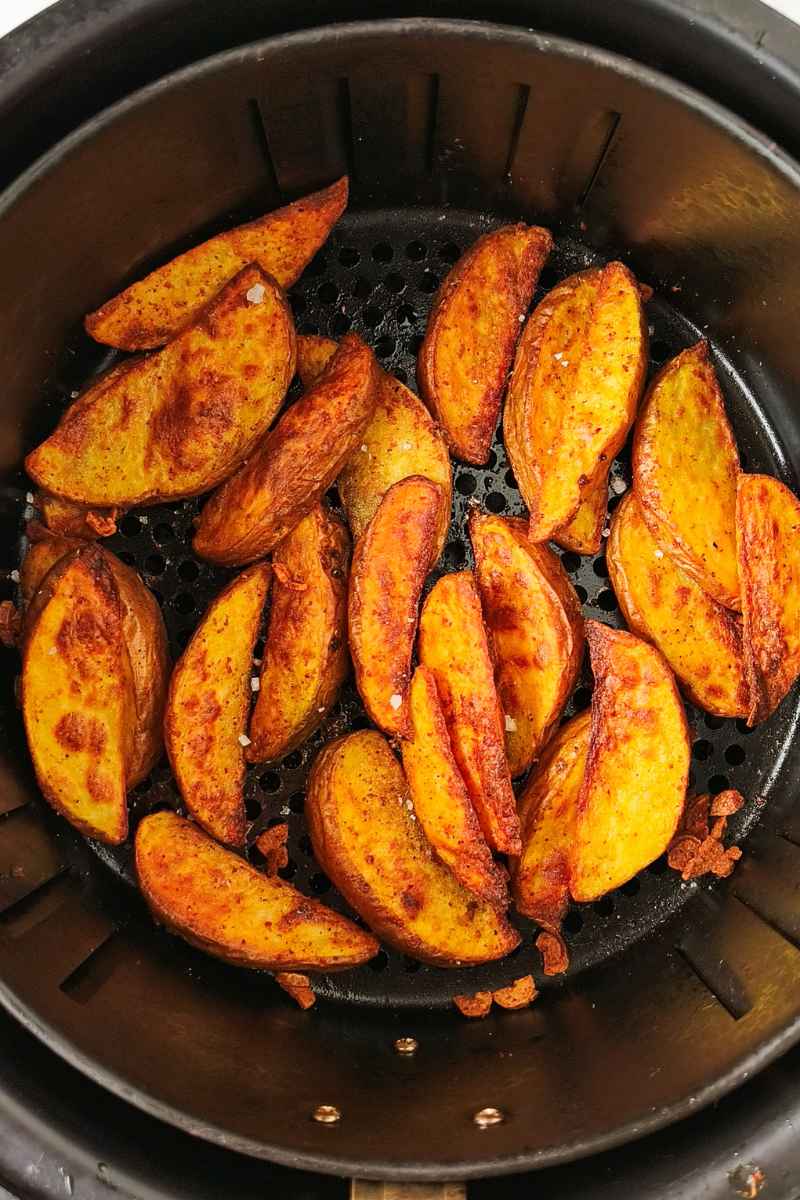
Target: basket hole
(395,283)
(491,461)
(162,533)
(297,802)
(713,722)
(742,727)
(735,755)
(157,596)
(600,567)
(143,788)
(328,293)
(348,256)
(304,842)
(362,288)
(691,779)
(130,526)
(252,808)
(573,921)
(317,266)
(320,884)
(604,907)
(582,697)
(340,325)
(548,278)
(718,783)
(154,564)
(298,305)
(410,965)
(401,375)
(659,351)
(570,561)
(450,252)
(581,593)
(126,557)
(495,502)
(184,636)
(184,603)
(189,571)
(511,479)
(385,346)
(702,750)
(428,282)
(373,316)
(416,251)
(293,760)
(406,315)
(456,554)
(288,872)
(414,344)
(632,887)
(382,252)
(380,962)
(466,484)
(607,601)
(659,867)
(270,781)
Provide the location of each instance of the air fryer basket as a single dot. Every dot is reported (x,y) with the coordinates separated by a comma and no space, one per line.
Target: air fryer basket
(676,992)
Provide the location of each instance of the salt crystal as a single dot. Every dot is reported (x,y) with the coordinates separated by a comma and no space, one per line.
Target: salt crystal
(244,740)
(52,650)
(29,497)
(565,362)
(558,354)
(15,576)
(257,662)
(606,532)
(256,293)
(618,486)
(255,683)
(659,553)
(406,446)
(521,317)
(511,724)
(74,395)
(143,520)
(321,708)
(396,700)
(363,447)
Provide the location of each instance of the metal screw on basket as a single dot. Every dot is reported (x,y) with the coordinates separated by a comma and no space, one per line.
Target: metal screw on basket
(485,1117)
(327,1114)
(406,1045)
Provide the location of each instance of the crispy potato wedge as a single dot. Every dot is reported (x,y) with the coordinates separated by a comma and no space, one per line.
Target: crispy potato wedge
(294,465)
(440,797)
(533,617)
(634,785)
(584,532)
(153,310)
(547,812)
(700,639)
(453,644)
(472,331)
(177,423)
(575,386)
(366,839)
(400,440)
(685,468)
(68,519)
(768,537)
(208,705)
(77,695)
(390,565)
(216,901)
(305,658)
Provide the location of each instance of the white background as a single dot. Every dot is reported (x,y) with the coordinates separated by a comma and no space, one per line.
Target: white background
(14,12)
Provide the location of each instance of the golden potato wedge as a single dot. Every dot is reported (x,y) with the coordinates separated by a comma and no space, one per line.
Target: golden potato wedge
(440,797)
(472,330)
(208,706)
(685,468)
(768,541)
(533,617)
(177,423)
(156,308)
(390,565)
(547,812)
(575,386)
(367,840)
(400,440)
(294,465)
(215,900)
(305,657)
(68,519)
(77,695)
(634,786)
(453,644)
(700,639)
(584,532)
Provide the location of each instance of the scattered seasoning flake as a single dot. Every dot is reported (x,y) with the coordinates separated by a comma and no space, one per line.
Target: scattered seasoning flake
(396,700)
(244,740)
(659,553)
(255,683)
(15,576)
(511,724)
(558,354)
(256,293)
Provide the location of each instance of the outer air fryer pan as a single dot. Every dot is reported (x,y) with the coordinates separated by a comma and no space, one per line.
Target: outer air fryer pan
(677,992)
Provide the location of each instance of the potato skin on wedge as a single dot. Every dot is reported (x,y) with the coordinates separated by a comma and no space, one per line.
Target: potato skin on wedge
(685,468)
(440,797)
(533,617)
(305,657)
(208,705)
(68,519)
(176,423)
(700,639)
(77,695)
(547,812)
(156,308)
(453,644)
(365,838)
(390,565)
(574,390)
(216,901)
(634,786)
(295,464)
(472,331)
(401,440)
(768,541)
(583,533)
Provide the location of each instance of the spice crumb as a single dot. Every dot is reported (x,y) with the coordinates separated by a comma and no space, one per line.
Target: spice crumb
(256,293)
(396,700)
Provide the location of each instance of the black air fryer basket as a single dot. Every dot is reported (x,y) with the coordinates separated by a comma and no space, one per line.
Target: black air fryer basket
(676,992)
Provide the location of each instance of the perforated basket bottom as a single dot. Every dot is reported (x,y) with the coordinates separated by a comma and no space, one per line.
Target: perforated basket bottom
(377,276)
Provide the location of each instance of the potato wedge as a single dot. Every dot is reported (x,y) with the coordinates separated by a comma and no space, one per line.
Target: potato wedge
(533,617)
(68,519)
(584,532)
(634,786)
(700,639)
(208,705)
(400,440)
(77,695)
(216,901)
(440,797)
(294,465)
(177,423)
(153,310)
(575,386)
(390,565)
(366,840)
(472,331)
(453,644)
(305,658)
(767,535)
(547,812)
(685,468)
